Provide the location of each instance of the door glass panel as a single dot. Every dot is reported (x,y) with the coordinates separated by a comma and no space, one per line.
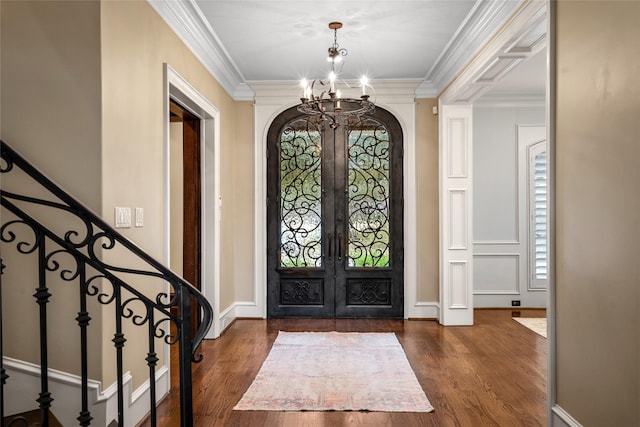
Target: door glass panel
(300,195)
(368,195)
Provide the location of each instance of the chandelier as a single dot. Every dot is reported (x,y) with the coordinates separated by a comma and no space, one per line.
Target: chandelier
(328,104)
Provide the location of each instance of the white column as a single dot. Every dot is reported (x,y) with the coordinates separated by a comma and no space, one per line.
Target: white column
(456,219)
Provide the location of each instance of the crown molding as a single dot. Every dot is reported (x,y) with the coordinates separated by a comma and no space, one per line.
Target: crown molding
(400,91)
(243,92)
(427,89)
(478,27)
(186,20)
(519,38)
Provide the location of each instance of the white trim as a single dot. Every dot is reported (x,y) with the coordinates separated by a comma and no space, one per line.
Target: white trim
(470,37)
(561,418)
(472,81)
(406,115)
(239,309)
(517,290)
(178,88)
(517,220)
(496,242)
(425,310)
(23,386)
(512,100)
(456,284)
(474,78)
(458,241)
(227,317)
(533,283)
(186,20)
(496,292)
(272,99)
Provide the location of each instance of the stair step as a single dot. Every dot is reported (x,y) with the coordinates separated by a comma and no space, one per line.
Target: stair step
(31,418)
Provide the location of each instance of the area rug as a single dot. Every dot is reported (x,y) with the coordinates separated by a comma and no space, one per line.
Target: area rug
(334,371)
(536,324)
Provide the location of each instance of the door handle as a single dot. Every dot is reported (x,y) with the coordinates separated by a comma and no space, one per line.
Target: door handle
(339,246)
(330,246)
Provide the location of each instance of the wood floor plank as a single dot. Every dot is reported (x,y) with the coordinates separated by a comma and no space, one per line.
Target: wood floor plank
(489,374)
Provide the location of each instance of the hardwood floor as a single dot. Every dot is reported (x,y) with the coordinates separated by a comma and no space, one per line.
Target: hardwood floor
(491,374)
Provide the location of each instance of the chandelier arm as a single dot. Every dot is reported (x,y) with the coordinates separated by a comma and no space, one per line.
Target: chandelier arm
(334,106)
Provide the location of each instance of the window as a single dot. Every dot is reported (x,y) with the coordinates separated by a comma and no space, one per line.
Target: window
(538,214)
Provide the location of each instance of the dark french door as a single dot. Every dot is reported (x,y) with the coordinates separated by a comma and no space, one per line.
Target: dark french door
(334,217)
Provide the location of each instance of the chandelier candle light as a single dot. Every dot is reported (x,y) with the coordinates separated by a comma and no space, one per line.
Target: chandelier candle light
(332,106)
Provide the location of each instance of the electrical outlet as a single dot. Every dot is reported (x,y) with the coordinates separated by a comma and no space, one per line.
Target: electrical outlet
(515,303)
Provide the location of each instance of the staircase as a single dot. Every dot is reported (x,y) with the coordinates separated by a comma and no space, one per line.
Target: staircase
(70,257)
(30,419)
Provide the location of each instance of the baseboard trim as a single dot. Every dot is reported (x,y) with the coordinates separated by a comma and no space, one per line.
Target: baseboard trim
(561,418)
(23,386)
(239,309)
(250,310)
(227,317)
(424,310)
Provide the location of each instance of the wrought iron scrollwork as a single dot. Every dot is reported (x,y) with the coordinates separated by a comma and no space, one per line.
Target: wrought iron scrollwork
(130,313)
(305,292)
(300,195)
(368,194)
(369,292)
(96,290)
(71,241)
(66,274)
(164,332)
(24,246)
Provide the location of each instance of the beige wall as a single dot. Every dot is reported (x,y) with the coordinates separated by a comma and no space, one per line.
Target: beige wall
(82,97)
(597,211)
(243,194)
(136,43)
(51,90)
(51,113)
(427,195)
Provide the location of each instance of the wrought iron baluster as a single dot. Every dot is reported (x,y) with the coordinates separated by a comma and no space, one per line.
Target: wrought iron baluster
(119,340)
(185,351)
(83,320)
(79,243)
(42,296)
(152,361)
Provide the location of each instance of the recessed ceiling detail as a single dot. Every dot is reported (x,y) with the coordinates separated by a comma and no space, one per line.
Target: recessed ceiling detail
(498,67)
(516,44)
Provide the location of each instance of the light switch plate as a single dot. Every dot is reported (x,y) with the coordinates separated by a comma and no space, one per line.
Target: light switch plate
(122,217)
(139,217)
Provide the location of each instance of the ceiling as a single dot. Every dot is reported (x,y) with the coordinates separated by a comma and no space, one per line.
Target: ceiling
(427,41)
(287,40)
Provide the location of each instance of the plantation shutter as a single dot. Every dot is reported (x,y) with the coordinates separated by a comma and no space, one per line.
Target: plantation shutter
(539,211)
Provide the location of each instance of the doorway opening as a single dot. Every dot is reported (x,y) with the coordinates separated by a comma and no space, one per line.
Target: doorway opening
(186,197)
(203,119)
(335,217)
